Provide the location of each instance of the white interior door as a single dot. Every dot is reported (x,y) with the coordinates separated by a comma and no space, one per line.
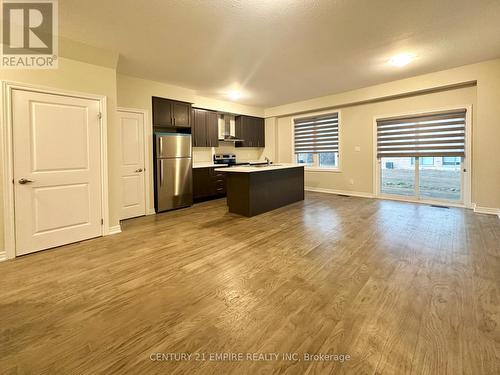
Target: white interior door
(57,170)
(132,166)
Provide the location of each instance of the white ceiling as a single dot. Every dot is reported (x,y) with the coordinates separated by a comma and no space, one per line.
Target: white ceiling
(280,51)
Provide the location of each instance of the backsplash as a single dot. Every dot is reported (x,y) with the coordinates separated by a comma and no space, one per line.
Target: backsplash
(205,154)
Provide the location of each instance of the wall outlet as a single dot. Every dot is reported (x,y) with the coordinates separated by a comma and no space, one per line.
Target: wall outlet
(357,148)
(351,181)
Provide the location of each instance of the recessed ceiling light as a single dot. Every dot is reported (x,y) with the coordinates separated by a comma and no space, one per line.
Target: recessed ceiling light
(234,94)
(401,59)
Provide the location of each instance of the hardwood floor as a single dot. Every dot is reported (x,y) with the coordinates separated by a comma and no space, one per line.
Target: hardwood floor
(401,288)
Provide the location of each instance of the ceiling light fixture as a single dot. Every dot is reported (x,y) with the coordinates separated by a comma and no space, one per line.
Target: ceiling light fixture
(234,95)
(401,59)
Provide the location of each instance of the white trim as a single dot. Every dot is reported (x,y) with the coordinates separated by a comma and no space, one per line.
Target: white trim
(422,201)
(466,194)
(148,152)
(3,256)
(316,167)
(7,153)
(319,169)
(115,230)
(8,188)
(343,192)
(151,211)
(486,210)
(103,104)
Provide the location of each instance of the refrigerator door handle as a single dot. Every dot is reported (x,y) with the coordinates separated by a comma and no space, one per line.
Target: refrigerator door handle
(161,146)
(161,172)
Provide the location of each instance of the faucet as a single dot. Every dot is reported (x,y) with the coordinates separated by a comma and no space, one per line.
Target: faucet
(269,162)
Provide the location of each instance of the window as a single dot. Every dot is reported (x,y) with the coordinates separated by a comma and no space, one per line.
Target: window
(427,160)
(328,159)
(397,176)
(305,159)
(426,136)
(421,156)
(316,141)
(448,160)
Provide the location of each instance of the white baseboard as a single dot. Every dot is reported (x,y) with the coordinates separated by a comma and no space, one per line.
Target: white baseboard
(3,256)
(114,230)
(486,210)
(342,192)
(151,211)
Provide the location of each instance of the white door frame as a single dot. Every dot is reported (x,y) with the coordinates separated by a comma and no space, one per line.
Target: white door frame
(466,194)
(8,156)
(148,160)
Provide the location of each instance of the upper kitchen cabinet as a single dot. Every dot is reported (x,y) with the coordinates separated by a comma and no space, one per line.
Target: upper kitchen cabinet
(205,128)
(251,130)
(199,128)
(171,113)
(181,114)
(212,129)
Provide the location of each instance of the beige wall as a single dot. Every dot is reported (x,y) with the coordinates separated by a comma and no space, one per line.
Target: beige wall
(136,93)
(417,93)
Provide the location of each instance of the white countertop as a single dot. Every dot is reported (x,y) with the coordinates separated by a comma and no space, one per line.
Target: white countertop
(250,168)
(207,165)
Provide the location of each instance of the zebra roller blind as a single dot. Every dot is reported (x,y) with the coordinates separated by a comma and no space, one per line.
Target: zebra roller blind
(439,134)
(317,135)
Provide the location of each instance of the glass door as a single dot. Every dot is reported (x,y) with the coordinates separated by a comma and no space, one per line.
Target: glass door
(423,178)
(398,176)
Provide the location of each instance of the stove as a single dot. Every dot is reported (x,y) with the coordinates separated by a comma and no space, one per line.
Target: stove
(229,159)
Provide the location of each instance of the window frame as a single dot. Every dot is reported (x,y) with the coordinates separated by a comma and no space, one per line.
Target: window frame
(315,166)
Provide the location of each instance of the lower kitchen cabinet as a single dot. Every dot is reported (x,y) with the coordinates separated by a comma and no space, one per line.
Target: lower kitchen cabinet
(208,184)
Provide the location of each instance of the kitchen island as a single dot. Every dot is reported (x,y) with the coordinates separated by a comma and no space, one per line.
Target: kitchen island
(255,189)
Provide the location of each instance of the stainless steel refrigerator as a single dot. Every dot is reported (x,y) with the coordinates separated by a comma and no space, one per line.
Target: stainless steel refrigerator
(173,174)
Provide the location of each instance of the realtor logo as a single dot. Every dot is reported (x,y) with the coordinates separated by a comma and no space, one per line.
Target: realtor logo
(29,34)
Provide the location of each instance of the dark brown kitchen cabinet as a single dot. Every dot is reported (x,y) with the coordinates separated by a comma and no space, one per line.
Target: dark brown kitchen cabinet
(212,129)
(208,184)
(201,183)
(171,113)
(251,130)
(199,128)
(205,131)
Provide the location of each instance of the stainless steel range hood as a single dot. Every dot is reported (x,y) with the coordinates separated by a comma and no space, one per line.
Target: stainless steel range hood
(227,128)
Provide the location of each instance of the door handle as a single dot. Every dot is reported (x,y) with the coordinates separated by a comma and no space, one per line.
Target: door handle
(138,170)
(23,181)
